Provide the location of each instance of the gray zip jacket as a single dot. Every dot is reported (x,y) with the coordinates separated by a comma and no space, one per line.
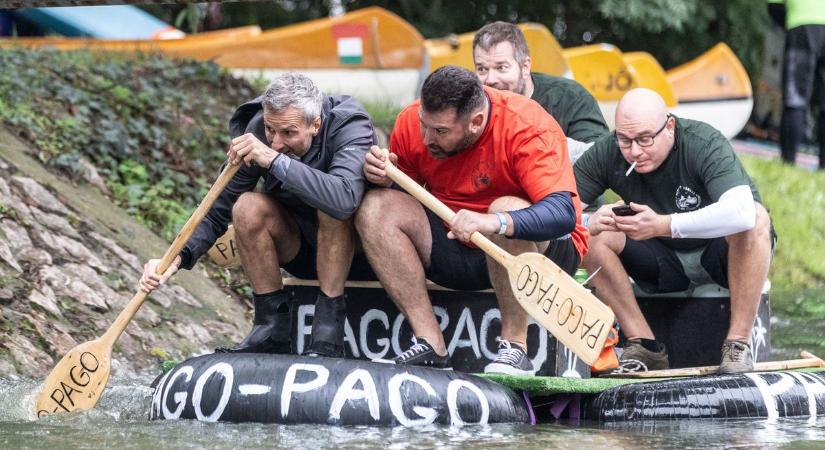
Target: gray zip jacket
(329,177)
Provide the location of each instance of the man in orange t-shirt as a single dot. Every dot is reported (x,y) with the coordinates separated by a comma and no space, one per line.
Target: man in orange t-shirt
(501,162)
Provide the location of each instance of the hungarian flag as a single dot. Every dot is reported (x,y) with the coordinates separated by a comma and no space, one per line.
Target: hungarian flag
(350,39)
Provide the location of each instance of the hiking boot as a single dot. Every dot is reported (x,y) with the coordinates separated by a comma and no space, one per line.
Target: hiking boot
(510,360)
(637,358)
(422,354)
(270,329)
(328,327)
(736,357)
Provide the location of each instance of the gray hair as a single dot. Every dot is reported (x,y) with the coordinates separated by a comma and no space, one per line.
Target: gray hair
(497,32)
(294,89)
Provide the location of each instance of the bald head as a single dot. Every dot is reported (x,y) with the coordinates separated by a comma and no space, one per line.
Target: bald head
(644,130)
(641,106)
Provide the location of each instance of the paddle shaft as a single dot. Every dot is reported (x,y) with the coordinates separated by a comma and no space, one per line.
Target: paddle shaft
(808,360)
(125,316)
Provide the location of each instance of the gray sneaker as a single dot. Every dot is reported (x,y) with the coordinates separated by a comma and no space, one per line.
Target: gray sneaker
(636,358)
(736,357)
(510,360)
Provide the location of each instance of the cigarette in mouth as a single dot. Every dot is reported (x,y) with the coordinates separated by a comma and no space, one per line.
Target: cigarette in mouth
(632,166)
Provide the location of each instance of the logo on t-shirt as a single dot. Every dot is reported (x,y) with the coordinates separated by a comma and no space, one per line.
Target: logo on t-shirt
(686,199)
(481,176)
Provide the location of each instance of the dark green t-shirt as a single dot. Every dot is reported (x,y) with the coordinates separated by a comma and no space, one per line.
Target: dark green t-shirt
(699,169)
(576,111)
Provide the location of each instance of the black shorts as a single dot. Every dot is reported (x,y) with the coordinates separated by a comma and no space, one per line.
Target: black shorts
(456,266)
(304,265)
(657,268)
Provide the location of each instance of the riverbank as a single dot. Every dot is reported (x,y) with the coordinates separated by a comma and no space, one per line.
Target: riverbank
(102,159)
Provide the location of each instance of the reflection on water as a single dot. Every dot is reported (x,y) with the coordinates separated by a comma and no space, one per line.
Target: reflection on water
(120,420)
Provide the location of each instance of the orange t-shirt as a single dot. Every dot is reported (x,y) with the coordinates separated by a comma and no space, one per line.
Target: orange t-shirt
(522,153)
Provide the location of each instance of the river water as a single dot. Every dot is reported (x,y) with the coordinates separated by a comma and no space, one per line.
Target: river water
(120,420)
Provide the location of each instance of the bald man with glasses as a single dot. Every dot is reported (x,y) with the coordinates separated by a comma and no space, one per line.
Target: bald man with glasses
(692,216)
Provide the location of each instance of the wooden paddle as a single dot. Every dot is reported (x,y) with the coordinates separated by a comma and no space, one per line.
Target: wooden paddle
(566,309)
(807,360)
(78,380)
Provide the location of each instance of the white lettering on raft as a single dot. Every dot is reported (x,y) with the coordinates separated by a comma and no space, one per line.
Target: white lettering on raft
(386,337)
(290,387)
(357,389)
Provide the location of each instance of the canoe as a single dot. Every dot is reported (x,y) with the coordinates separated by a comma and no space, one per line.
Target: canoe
(367,38)
(714,88)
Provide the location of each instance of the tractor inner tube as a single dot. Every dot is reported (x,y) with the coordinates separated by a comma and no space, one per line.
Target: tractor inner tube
(297,389)
(766,395)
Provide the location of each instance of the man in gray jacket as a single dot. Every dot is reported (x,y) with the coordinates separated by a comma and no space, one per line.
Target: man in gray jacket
(309,151)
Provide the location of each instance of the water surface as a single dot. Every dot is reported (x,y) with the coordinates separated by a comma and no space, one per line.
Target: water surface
(120,420)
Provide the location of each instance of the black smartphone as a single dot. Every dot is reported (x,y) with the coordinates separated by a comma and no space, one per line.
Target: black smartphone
(623,210)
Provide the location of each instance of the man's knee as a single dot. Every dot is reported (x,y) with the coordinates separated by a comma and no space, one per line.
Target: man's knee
(372,205)
(507,203)
(385,208)
(606,241)
(252,211)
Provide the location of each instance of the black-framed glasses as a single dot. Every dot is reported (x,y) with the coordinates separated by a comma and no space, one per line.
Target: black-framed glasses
(643,141)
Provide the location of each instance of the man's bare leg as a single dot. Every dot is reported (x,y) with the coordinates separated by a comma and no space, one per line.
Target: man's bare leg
(395,234)
(267,237)
(612,286)
(336,247)
(749,256)
(514,318)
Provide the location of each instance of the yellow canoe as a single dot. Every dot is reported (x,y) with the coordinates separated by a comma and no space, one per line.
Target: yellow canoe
(714,88)
(369,38)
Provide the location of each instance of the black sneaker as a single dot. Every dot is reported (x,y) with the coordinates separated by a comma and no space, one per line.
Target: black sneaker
(422,354)
(510,360)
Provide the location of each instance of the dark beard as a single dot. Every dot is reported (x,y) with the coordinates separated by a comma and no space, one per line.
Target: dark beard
(437,152)
(521,86)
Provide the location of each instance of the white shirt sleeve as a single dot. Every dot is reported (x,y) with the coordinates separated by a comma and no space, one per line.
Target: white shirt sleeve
(576,148)
(733,213)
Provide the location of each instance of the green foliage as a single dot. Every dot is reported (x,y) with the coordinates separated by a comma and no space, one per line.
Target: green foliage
(382,114)
(154,127)
(796,200)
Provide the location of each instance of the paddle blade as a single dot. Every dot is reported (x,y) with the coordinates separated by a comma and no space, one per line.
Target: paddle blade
(77,381)
(570,312)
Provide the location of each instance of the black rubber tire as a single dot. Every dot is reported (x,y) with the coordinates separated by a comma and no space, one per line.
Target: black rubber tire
(753,395)
(250,387)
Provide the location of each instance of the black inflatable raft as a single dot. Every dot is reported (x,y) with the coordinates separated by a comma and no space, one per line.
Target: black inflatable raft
(766,395)
(297,389)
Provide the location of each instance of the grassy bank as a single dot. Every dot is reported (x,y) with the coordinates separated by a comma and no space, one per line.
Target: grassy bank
(796,198)
(154,129)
